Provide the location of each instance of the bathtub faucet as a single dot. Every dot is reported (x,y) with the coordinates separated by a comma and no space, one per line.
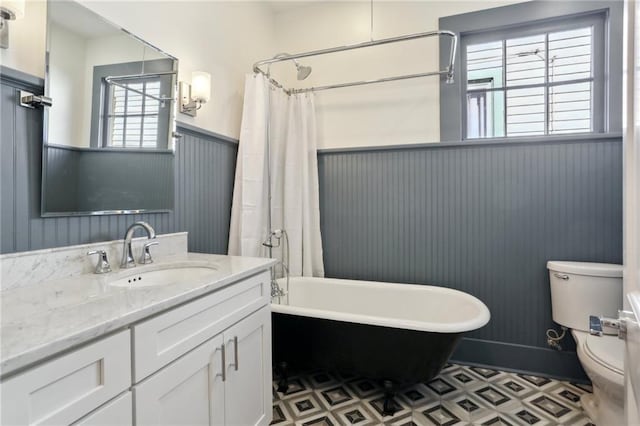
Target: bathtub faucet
(277,234)
(276,291)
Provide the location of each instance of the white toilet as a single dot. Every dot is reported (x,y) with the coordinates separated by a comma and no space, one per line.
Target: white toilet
(578,290)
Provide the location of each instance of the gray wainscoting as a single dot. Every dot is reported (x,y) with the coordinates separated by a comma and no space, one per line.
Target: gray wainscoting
(481,219)
(61,193)
(204,172)
(107,179)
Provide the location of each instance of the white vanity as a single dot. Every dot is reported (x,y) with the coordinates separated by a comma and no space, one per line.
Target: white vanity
(89,350)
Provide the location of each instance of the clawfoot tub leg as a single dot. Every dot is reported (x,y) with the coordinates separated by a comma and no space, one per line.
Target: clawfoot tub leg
(283,382)
(389,407)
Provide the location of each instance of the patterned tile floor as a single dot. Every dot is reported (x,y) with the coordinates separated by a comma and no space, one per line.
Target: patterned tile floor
(460,395)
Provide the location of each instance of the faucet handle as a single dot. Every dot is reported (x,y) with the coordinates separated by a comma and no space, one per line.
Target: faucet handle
(102,267)
(145,258)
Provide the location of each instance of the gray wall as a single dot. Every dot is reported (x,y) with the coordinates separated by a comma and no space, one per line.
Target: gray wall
(204,174)
(479,218)
(107,180)
(61,194)
(108,176)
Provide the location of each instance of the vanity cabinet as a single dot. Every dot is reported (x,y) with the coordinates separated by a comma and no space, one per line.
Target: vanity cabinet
(205,362)
(224,381)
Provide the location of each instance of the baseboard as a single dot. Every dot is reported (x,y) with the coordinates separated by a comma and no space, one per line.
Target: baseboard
(562,365)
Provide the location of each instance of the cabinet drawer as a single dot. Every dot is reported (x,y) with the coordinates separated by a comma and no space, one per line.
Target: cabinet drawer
(161,339)
(66,388)
(117,412)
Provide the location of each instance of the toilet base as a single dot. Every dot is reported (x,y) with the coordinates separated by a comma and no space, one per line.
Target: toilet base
(602,411)
(589,406)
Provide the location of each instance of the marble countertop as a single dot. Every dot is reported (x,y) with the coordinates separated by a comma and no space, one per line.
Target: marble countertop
(40,320)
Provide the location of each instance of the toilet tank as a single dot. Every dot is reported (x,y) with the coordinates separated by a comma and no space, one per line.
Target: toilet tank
(580,289)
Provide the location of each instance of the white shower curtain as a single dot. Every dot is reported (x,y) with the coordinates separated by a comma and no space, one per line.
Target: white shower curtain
(294,177)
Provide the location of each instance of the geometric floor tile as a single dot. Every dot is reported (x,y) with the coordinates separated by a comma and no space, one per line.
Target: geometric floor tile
(336,396)
(492,396)
(363,388)
(460,395)
(484,372)
(441,416)
(440,386)
(550,406)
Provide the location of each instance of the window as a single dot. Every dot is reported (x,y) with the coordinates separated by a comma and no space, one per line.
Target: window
(125,110)
(132,115)
(560,90)
(537,80)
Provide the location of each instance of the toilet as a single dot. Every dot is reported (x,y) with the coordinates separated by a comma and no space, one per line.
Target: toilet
(578,290)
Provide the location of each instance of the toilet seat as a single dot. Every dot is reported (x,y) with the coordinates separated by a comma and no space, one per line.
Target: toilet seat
(607,351)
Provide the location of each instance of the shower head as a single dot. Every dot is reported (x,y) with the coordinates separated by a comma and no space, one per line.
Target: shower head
(303,71)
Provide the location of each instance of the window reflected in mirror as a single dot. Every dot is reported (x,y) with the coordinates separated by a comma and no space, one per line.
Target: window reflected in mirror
(108,146)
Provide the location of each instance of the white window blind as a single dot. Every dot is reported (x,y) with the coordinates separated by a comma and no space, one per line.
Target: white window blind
(133,117)
(540,84)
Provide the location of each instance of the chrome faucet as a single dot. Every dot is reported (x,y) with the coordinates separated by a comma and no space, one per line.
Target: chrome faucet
(127,255)
(276,290)
(102,267)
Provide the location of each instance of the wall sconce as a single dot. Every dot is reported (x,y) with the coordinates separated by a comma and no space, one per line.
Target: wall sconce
(9,10)
(193,95)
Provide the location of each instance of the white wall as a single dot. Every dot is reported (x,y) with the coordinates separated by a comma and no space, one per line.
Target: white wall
(222,38)
(225,38)
(67,70)
(27,40)
(391,113)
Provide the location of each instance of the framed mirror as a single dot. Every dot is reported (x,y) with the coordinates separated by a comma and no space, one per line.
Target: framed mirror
(108,145)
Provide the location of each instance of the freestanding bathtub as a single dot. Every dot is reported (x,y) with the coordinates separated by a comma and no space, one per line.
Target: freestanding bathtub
(399,332)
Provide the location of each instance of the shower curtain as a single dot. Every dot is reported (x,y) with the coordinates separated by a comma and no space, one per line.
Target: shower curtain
(288,124)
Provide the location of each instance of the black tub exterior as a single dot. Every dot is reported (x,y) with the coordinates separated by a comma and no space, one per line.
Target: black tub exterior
(385,353)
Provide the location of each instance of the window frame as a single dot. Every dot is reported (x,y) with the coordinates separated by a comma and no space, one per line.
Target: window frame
(108,114)
(597,20)
(101,97)
(522,14)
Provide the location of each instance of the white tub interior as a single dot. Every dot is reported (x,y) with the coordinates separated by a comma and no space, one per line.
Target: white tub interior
(413,307)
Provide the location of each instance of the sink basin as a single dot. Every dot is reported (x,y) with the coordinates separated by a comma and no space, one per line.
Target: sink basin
(163,275)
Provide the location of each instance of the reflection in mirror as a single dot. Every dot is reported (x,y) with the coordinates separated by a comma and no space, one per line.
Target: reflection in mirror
(109,134)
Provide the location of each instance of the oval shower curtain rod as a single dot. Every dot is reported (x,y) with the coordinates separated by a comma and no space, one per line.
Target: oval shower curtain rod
(448,71)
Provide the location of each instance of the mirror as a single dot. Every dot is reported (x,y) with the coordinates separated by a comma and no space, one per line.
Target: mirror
(108,143)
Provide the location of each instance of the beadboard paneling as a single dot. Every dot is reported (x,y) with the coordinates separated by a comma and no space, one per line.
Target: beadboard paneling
(204,172)
(481,219)
(62,179)
(102,189)
(204,188)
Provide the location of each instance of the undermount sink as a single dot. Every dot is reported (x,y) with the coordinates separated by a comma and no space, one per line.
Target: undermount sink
(161,275)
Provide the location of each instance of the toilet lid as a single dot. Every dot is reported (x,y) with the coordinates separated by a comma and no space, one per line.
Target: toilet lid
(606,350)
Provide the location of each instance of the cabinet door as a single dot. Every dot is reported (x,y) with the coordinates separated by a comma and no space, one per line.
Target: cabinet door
(248,386)
(190,391)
